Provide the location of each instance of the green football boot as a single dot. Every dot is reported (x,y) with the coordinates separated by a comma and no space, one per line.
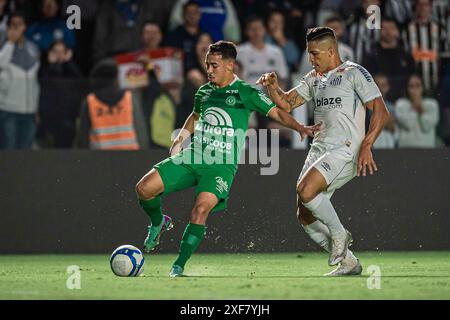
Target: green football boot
(176,271)
(154,233)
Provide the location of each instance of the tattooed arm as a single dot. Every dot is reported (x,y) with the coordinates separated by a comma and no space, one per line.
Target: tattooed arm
(284,100)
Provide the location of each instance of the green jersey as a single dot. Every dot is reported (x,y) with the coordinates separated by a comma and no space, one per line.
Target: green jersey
(219,135)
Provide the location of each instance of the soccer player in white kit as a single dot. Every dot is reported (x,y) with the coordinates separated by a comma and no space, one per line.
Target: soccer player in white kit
(341,150)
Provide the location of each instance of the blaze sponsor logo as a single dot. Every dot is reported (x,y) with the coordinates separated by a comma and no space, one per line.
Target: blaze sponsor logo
(329,103)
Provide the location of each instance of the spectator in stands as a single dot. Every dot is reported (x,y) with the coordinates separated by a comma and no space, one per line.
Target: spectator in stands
(84,36)
(401,11)
(61,93)
(196,62)
(361,38)
(195,77)
(3,21)
(111,118)
(390,58)
(50,27)
(387,137)
(259,57)
(151,35)
(159,107)
(276,35)
(19,87)
(426,40)
(299,14)
(345,52)
(417,117)
(185,36)
(218,18)
(444,101)
(119,24)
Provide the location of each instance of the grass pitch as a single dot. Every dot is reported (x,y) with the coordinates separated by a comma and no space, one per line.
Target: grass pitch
(404,275)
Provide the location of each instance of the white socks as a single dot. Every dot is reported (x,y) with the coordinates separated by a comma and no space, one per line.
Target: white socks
(323,210)
(320,234)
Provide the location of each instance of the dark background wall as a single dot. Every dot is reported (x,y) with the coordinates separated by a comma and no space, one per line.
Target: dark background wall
(84,202)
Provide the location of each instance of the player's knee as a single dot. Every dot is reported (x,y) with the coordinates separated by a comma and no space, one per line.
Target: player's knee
(305,193)
(199,212)
(143,190)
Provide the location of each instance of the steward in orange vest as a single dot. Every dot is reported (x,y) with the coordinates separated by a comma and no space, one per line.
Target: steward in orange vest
(112,126)
(108,114)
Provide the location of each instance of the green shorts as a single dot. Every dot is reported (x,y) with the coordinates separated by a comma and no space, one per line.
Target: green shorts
(216,179)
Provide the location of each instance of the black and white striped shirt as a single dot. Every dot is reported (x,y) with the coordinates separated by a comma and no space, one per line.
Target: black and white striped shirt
(426,42)
(361,38)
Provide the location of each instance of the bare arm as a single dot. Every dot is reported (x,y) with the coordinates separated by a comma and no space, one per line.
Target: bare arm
(285,119)
(285,100)
(185,133)
(380,116)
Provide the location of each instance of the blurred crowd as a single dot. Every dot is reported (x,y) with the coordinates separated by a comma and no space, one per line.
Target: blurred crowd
(59,86)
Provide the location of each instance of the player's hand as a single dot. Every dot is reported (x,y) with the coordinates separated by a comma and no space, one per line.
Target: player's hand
(365,161)
(306,131)
(268,79)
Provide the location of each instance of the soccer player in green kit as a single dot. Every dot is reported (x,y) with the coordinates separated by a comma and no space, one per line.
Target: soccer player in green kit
(219,122)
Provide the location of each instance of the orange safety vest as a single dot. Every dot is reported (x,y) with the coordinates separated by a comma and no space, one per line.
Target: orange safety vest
(112,128)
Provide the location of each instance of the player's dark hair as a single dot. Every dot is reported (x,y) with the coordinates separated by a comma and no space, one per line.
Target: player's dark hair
(319,33)
(226,49)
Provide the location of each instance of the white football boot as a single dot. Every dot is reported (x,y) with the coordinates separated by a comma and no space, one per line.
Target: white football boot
(350,266)
(339,245)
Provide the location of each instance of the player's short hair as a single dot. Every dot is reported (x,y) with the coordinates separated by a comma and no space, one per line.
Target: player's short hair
(226,49)
(319,33)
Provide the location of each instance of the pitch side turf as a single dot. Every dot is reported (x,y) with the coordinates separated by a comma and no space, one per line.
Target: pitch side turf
(404,275)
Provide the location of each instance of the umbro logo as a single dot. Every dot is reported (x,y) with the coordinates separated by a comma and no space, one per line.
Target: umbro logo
(326,166)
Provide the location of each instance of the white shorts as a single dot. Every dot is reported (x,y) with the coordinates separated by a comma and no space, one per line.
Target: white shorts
(335,163)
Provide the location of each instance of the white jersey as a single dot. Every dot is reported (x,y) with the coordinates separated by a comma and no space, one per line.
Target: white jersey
(338,98)
(256,62)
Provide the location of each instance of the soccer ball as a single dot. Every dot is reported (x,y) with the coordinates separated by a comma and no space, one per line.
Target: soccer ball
(127,261)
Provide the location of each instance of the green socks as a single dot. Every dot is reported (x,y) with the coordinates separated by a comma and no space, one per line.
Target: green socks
(153,209)
(193,235)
